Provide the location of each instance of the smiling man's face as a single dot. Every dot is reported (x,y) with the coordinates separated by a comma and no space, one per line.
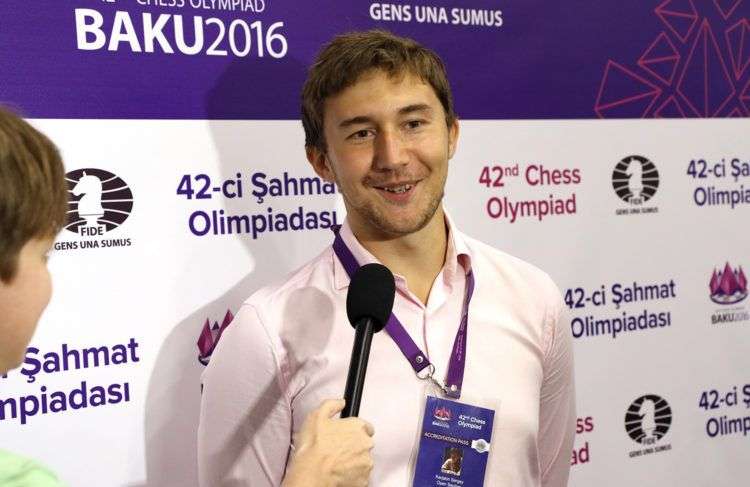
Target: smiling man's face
(388,147)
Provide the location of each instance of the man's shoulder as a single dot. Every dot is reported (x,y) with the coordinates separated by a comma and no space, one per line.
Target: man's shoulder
(511,282)
(494,263)
(315,272)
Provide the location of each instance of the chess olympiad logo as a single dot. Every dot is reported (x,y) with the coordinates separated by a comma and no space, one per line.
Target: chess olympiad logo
(647,421)
(443,413)
(728,286)
(210,336)
(635,180)
(99,202)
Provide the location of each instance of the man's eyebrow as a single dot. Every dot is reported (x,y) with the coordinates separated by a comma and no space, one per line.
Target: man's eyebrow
(416,107)
(364,119)
(359,120)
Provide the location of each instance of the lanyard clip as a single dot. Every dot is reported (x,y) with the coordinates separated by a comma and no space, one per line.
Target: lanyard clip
(430,375)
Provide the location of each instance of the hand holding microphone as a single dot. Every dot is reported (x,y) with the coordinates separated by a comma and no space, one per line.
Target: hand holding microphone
(336,452)
(330,451)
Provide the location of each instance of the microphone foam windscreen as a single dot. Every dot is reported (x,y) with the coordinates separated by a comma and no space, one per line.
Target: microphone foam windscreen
(371,293)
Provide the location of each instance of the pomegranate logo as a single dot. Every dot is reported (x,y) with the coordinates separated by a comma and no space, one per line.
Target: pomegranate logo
(443,413)
(210,336)
(728,286)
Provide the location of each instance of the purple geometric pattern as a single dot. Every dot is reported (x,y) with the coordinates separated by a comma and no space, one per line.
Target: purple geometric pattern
(745,96)
(210,336)
(624,94)
(680,17)
(727,7)
(738,41)
(705,84)
(661,59)
(670,109)
(684,71)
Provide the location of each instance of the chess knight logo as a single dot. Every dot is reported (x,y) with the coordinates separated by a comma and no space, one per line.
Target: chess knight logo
(635,179)
(647,421)
(99,202)
(728,286)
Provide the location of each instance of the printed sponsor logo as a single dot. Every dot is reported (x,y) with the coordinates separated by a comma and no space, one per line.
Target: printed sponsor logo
(443,413)
(99,202)
(728,287)
(647,421)
(210,336)
(635,181)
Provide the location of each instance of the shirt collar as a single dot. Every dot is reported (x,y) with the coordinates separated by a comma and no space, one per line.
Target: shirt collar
(457,254)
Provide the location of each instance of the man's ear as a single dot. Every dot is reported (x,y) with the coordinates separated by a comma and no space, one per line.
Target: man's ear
(453,131)
(319,161)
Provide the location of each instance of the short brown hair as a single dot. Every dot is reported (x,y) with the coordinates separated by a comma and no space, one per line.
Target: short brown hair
(33,191)
(347,57)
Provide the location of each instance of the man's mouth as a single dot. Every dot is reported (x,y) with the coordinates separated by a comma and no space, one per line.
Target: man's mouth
(403,188)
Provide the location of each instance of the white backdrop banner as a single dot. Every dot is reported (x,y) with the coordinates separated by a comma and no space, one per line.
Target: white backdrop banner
(189,190)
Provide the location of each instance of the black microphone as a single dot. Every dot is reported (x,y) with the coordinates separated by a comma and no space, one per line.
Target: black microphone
(369,303)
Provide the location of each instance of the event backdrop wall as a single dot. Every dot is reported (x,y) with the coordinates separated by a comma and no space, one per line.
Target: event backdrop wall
(178,122)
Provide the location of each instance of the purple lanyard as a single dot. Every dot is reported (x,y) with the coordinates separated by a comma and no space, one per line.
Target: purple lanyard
(418,360)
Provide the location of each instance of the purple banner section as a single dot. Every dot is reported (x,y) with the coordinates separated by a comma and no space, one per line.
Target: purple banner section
(246,59)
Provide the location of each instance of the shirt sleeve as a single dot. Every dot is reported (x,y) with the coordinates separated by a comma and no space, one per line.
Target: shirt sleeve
(245,422)
(557,415)
(18,471)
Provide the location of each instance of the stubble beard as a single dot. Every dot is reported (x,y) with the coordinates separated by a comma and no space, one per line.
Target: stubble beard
(372,215)
(404,227)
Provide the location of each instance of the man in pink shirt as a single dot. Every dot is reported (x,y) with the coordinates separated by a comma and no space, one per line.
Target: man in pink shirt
(477,326)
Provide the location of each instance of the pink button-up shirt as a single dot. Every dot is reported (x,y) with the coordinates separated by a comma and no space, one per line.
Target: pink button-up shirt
(290,344)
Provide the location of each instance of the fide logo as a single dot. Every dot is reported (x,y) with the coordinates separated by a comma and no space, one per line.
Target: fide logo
(647,421)
(99,202)
(635,180)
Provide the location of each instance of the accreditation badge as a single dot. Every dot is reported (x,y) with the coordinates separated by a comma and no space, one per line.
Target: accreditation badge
(454,444)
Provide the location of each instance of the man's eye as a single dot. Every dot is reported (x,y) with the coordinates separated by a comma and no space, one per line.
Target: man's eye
(414,124)
(360,134)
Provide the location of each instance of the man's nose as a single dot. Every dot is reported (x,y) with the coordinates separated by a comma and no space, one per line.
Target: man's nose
(391,151)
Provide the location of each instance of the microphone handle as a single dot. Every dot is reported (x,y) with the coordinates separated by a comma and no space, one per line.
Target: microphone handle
(355,381)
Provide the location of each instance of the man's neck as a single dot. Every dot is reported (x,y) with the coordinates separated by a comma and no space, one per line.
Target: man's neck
(418,256)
